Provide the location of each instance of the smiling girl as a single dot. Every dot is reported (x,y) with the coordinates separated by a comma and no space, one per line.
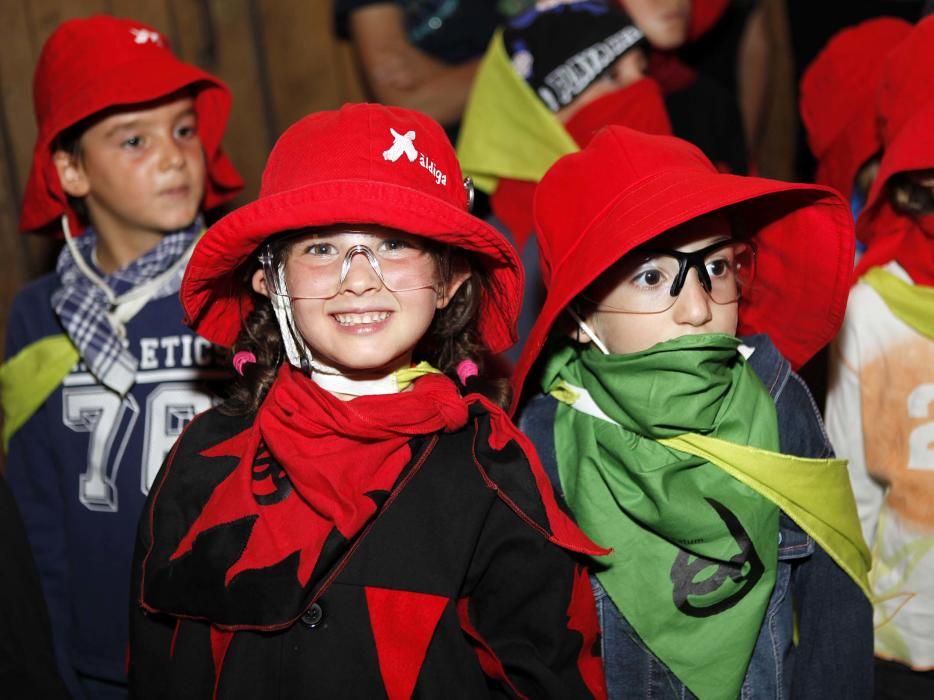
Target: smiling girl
(349,523)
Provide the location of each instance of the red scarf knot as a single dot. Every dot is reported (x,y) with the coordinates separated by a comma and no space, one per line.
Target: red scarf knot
(312,464)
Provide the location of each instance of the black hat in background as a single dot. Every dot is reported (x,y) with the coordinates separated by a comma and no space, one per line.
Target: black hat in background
(564,48)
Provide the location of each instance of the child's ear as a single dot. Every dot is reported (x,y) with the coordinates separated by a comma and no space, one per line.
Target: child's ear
(581,336)
(259,283)
(71,174)
(574,330)
(459,275)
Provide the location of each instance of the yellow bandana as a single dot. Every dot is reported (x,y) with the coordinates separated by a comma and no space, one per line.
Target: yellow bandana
(507,132)
(912,303)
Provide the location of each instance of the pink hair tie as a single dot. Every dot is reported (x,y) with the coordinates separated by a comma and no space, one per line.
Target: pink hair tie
(244,357)
(467,369)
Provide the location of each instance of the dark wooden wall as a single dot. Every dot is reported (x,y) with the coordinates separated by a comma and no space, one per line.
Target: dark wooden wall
(278,57)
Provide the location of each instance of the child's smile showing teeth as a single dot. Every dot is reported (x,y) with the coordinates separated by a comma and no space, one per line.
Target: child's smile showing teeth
(341,281)
(361,318)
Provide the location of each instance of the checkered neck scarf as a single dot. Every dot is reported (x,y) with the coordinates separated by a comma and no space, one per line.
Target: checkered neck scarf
(87,313)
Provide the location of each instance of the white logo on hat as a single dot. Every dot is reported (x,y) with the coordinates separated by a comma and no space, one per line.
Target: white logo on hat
(146,36)
(401,144)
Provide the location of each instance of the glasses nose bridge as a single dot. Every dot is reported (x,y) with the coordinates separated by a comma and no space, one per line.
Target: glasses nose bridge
(369,255)
(686,262)
(693,302)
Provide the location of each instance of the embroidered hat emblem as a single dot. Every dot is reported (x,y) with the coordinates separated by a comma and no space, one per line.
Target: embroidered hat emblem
(146,36)
(402,144)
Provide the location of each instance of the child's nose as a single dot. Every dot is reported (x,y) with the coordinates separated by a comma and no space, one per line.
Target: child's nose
(172,155)
(692,307)
(361,277)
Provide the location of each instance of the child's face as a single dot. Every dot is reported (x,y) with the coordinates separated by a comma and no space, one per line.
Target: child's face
(912,193)
(664,22)
(363,322)
(140,171)
(637,281)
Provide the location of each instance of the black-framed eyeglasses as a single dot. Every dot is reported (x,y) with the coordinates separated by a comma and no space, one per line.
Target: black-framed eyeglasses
(649,280)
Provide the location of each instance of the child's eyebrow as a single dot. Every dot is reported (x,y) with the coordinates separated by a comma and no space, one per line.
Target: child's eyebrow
(125,126)
(139,123)
(189,112)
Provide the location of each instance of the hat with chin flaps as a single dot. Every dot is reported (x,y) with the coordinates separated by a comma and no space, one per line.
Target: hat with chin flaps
(362,164)
(905,109)
(93,64)
(627,187)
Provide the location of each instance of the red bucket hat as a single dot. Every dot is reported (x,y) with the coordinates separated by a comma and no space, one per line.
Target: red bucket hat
(838,99)
(362,164)
(639,106)
(905,111)
(906,79)
(628,187)
(91,64)
(889,234)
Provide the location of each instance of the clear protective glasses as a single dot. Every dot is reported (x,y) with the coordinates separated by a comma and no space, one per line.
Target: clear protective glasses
(319,264)
(648,281)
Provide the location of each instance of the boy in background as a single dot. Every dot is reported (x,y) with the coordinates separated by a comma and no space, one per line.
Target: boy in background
(881,384)
(549,80)
(101,376)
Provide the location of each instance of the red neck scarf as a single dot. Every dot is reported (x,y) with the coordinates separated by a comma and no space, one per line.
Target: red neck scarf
(639,106)
(336,455)
(671,73)
(904,239)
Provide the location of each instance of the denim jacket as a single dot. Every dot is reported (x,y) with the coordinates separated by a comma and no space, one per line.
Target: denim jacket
(833,657)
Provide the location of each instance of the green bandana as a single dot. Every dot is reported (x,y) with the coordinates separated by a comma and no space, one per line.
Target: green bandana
(912,303)
(506,130)
(695,550)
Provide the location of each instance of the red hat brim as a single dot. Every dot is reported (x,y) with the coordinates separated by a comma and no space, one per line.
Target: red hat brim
(216,302)
(129,84)
(802,279)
